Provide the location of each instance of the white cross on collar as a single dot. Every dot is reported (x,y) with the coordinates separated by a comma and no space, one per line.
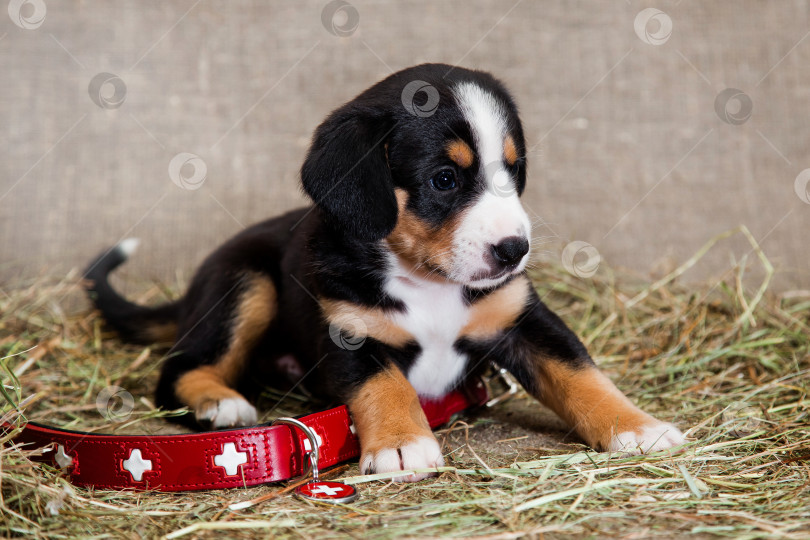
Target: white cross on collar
(230,459)
(308,445)
(62,458)
(136,465)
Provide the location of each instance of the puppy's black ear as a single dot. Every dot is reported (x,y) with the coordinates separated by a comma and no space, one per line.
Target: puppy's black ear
(346,172)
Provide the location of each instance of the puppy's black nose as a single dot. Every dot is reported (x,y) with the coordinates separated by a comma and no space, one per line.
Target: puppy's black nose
(510,250)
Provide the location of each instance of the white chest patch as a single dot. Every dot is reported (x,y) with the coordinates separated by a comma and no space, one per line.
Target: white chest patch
(435,314)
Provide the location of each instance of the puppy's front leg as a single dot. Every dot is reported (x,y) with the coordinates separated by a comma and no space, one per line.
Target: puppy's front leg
(557,370)
(599,412)
(392,427)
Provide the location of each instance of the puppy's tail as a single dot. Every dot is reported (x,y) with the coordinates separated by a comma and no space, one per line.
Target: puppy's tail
(134,323)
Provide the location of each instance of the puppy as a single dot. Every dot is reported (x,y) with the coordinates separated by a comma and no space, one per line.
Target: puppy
(405,279)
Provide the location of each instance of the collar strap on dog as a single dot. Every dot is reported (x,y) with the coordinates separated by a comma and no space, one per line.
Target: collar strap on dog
(218,459)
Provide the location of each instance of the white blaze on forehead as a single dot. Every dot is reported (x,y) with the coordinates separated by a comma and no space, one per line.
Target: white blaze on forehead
(497,213)
(487,118)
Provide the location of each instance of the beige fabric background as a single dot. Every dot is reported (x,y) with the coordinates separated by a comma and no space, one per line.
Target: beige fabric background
(628,153)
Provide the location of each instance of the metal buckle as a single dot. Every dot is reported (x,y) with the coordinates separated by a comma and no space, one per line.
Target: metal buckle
(313,441)
(504,378)
(315,489)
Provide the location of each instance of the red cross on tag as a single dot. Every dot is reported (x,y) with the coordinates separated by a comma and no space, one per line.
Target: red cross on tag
(328,492)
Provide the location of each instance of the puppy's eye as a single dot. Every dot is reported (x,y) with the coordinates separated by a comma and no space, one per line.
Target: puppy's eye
(515,167)
(444,180)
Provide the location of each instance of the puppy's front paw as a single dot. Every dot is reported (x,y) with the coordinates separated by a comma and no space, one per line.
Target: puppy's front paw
(228,412)
(648,438)
(418,452)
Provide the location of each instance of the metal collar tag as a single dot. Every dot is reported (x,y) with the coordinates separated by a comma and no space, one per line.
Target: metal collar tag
(317,490)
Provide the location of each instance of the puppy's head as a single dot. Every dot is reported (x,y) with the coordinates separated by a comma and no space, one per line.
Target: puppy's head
(432,161)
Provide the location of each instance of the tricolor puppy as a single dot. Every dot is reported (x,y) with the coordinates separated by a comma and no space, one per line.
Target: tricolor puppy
(405,279)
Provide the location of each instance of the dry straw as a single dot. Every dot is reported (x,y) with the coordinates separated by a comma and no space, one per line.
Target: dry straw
(729,365)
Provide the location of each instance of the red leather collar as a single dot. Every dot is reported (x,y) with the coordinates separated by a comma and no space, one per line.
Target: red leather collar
(214,459)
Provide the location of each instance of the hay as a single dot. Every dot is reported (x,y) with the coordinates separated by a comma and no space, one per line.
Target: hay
(731,366)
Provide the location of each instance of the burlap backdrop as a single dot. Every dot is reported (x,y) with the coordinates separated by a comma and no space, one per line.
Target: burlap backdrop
(628,151)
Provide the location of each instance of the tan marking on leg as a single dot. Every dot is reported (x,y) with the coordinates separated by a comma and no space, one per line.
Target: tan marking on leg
(461,153)
(361,321)
(257,308)
(509,150)
(386,412)
(213,382)
(424,248)
(589,402)
(497,311)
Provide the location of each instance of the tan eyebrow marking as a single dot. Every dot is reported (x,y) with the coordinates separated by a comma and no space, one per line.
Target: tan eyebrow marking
(509,150)
(461,153)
